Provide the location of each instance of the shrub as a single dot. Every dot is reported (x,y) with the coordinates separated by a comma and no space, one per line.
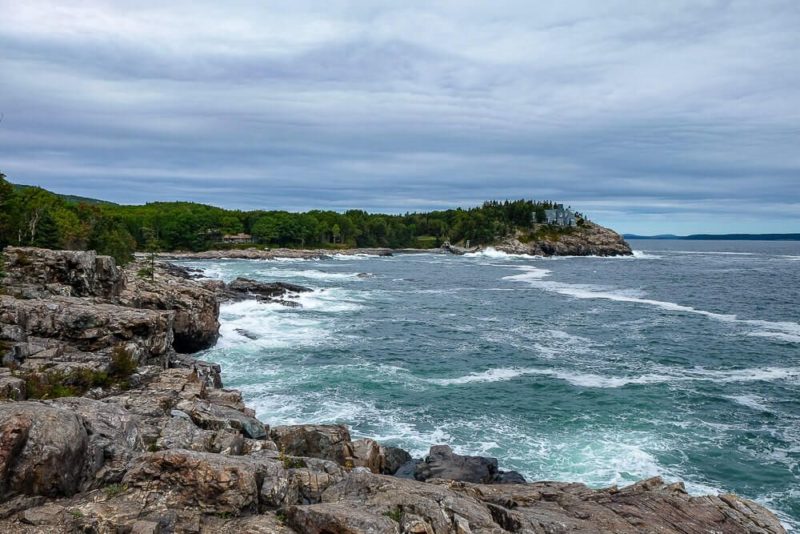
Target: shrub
(123,364)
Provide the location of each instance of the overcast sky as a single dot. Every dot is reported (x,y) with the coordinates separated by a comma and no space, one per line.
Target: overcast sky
(650,116)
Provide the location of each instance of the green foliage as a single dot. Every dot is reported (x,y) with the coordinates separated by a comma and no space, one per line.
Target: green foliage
(55,383)
(31,215)
(123,364)
(112,490)
(290,462)
(395,514)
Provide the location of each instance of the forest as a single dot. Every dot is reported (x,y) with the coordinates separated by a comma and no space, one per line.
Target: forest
(32,216)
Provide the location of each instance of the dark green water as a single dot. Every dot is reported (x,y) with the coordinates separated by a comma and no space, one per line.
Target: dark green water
(682,362)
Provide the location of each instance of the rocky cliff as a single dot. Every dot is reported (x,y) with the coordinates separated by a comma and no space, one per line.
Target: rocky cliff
(106,428)
(587,240)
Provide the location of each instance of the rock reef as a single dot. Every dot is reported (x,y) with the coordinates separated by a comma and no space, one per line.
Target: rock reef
(107,428)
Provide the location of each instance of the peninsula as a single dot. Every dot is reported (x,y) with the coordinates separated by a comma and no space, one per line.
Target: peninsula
(31,216)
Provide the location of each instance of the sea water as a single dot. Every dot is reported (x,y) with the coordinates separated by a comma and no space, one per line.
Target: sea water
(682,361)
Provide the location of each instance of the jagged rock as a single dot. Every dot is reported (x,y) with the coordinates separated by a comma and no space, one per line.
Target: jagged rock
(206,372)
(303,483)
(340,518)
(246,333)
(212,483)
(38,272)
(114,436)
(443,463)
(180,433)
(87,327)
(42,450)
(368,453)
(243,288)
(11,387)
(196,308)
(330,442)
(215,417)
(588,240)
(435,505)
(393,459)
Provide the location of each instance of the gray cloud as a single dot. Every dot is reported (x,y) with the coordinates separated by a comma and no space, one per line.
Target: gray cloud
(657,116)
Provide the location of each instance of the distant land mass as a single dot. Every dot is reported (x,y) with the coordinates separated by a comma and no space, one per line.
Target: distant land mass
(69,198)
(719,237)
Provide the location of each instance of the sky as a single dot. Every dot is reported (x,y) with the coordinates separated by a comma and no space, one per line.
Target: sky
(649,116)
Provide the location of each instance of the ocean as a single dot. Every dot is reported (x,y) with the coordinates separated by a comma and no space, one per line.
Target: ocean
(682,361)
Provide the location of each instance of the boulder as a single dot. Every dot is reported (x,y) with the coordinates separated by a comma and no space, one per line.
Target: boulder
(368,453)
(42,450)
(216,417)
(11,387)
(211,483)
(340,518)
(405,502)
(393,459)
(297,481)
(443,463)
(115,438)
(330,442)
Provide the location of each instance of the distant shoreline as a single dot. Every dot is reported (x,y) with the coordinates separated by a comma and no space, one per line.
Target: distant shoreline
(717,237)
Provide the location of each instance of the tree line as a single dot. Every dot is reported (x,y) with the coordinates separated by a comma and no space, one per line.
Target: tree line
(36,217)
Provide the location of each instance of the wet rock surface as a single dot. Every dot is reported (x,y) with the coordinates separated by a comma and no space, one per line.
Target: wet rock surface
(162,447)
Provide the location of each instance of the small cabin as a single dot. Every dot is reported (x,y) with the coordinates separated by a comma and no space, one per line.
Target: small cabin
(237,238)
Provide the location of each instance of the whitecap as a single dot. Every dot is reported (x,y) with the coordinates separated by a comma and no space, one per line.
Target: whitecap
(642,255)
(788,331)
(493,253)
(592,380)
(311,274)
(750,401)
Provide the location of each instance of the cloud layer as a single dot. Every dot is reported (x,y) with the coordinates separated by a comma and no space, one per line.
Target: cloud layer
(665,116)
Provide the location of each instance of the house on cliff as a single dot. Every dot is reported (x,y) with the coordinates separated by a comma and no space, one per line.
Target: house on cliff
(561,217)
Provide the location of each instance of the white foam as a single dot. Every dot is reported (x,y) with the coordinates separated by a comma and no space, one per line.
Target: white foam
(310,274)
(328,301)
(493,253)
(787,331)
(642,255)
(529,274)
(491,375)
(664,375)
(750,401)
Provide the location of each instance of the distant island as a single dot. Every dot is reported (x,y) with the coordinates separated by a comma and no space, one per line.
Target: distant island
(33,216)
(719,237)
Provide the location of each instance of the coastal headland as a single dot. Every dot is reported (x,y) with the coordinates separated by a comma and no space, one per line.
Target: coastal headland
(108,424)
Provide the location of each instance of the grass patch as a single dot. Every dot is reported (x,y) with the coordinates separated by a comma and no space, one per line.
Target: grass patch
(394,514)
(56,383)
(113,490)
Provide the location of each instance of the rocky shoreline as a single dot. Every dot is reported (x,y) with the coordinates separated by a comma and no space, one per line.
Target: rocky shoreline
(108,425)
(587,240)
